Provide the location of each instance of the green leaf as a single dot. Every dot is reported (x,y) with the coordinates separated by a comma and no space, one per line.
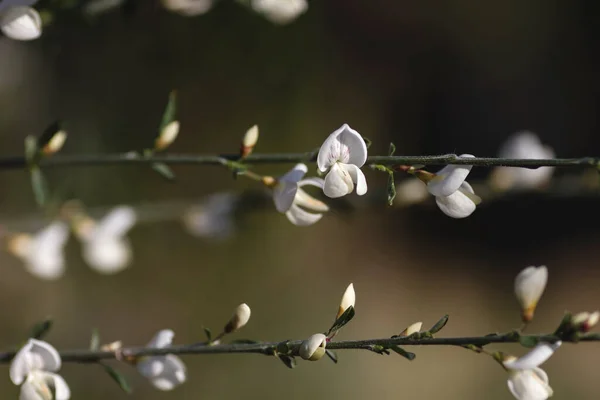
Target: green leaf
(117,377)
(438,326)
(95,340)
(391,188)
(406,354)
(288,361)
(164,170)
(31,149)
(392,149)
(342,320)
(332,355)
(528,341)
(41,329)
(170,110)
(48,134)
(39,186)
(368,142)
(208,333)
(565,324)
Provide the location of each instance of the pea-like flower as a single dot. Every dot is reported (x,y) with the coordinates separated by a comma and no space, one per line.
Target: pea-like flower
(341,156)
(280,11)
(313,348)
(291,199)
(529,287)
(34,368)
(106,249)
(164,372)
(21,23)
(43,252)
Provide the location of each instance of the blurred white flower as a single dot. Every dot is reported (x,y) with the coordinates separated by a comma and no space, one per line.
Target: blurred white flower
(341,156)
(348,299)
(21,23)
(188,8)
(213,218)
(529,384)
(280,11)
(526,145)
(410,191)
(106,249)
(43,252)
(33,367)
(291,199)
(529,287)
(534,358)
(313,348)
(164,372)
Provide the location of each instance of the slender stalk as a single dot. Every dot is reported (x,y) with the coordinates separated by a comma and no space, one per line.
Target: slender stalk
(285,158)
(269,348)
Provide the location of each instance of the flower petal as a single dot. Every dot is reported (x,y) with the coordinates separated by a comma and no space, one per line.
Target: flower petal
(534,358)
(284,194)
(173,374)
(45,258)
(162,339)
(529,286)
(345,145)
(338,182)
(19,367)
(30,390)
(357,177)
(107,254)
(305,200)
(295,174)
(449,179)
(299,217)
(356,145)
(151,367)
(61,388)
(457,205)
(21,23)
(529,385)
(117,222)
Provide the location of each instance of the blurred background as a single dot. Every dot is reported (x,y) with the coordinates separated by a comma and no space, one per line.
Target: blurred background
(432,76)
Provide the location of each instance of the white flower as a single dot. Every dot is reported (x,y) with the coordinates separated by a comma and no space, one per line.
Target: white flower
(342,154)
(534,358)
(313,348)
(188,8)
(526,145)
(21,23)
(348,299)
(529,287)
(42,253)
(291,199)
(459,204)
(213,218)
(280,11)
(240,318)
(164,372)
(105,246)
(410,191)
(33,367)
(529,384)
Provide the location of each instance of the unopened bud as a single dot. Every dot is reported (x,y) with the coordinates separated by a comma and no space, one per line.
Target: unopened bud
(584,321)
(112,347)
(240,317)
(313,348)
(167,135)
(249,141)
(414,328)
(55,143)
(424,176)
(348,299)
(269,181)
(529,287)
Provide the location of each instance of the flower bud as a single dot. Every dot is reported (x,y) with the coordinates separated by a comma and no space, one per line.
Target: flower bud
(249,141)
(21,23)
(414,328)
(529,287)
(269,181)
(584,321)
(240,317)
(112,347)
(313,348)
(167,136)
(348,299)
(55,143)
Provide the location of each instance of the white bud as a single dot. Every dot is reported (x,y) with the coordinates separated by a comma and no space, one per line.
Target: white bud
(56,143)
(584,321)
(167,135)
(21,23)
(414,328)
(348,299)
(240,318)
(529,287)
(249,141)
(313,348)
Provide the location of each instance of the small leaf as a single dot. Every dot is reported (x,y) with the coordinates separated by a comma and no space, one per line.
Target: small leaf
(379,167)
(564,325)
(368,142)
(31,149)
(332,355)
(289,361)
(208,334)
(528,341)
(391,188)
(164,170)
(342,320)
(406,354)
(95,340)
(48,134)
(170,110)
(438,326)
(41,329)
(392,149)
(117,377)
(39,186)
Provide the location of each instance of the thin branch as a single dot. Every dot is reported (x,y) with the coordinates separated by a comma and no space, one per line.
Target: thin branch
(270,348)
(286,158)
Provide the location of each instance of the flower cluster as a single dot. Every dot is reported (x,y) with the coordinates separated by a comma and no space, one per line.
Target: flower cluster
(20,22)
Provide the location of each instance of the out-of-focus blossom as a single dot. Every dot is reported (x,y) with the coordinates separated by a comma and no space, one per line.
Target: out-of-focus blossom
(341,156)
(43,252)
(280,11)
(164,372)
(20,23)
(526,145)
(313,348)
(534,358)
(188,8)
(34,367)
(106,249)
(291,199)
(529,287)
(213,218)
(410,191)
(95,8)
